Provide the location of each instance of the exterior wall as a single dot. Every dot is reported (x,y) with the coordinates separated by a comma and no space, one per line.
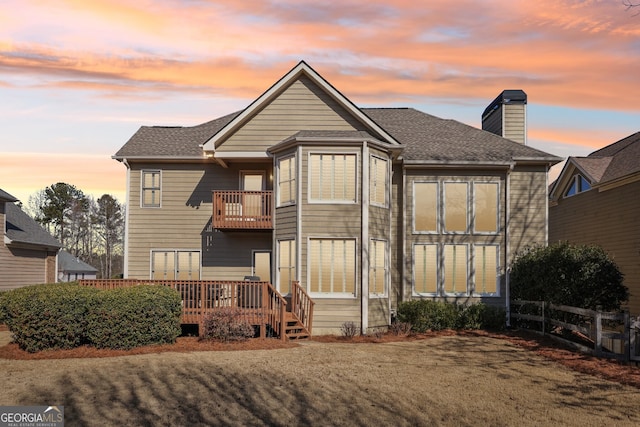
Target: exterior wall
(397,236)
(184,220)
(527,209)
(493,121)
(608,219)
(469,238)
(301,106)
(514,127)
(22,267)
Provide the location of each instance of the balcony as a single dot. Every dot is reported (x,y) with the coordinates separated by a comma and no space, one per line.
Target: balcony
(242,210)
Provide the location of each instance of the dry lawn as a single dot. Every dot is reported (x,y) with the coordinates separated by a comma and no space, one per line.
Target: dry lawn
(445,380)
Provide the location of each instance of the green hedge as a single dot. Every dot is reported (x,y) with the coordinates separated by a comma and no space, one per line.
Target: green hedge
(47,316)
(132,317)
(62,316)
(424,315)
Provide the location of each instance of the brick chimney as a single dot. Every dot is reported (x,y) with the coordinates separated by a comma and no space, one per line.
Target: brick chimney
(506,116)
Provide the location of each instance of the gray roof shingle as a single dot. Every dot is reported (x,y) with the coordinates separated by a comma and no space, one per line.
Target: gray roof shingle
(624,157)
(70,264)
(21,228)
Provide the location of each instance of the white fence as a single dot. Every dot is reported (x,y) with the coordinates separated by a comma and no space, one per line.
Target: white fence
(604,334)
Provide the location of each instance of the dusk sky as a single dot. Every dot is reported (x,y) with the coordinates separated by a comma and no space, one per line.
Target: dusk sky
(79,77)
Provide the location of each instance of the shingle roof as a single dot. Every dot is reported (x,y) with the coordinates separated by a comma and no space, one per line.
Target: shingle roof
(174,142)
(4,196)
(430,138)
(21,228)
(70,264)
(624,158)
(425,137)
(595,167)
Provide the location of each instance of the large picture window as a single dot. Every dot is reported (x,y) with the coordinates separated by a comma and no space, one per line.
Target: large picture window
(425,207)
(332,177)
(455,269)
(486,269)
(286,265)
(175,265)
(455,207)
(425,271)
(332,267)
(151,188)
(377,268)
(485,207)
(378,181)
(287,181)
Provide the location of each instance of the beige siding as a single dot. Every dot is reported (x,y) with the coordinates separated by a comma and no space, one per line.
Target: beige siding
(286,221)
(22,267)
(329,314)
(514,127)
(184,220)
(378,312)
(528,209)
(302,105)
(396,241)
(608,219)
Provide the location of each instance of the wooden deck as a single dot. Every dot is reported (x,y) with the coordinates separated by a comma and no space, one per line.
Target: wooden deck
(260,304)
(242,210)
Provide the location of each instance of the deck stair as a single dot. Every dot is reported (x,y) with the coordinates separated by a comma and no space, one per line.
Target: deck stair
(294,329)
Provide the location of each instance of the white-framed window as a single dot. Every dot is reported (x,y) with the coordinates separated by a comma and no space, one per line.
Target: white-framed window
(286,265)
(485,207)
(332,267)
(150,188)
(378,181)
(425,269)
(486,270)
(577,185)
(456,269)
(425,207)
(333,178)
(175,264)
(287,188)
(456,207)
(377,268)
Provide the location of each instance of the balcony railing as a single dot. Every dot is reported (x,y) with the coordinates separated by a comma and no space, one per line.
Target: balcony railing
(242,209)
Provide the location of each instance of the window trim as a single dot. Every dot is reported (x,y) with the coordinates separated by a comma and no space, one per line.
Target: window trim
(373,179)
(473,208)
(577,181)
(497,272)
(333,295)
(438,208)
(356,199)
(294,176)
(444,209)
(293,258)
(385,269)
(175,262)
(414,291)
(143,188)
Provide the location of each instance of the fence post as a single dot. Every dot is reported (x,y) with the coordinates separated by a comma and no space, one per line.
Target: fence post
(543,319)
(627,336)
(598,322)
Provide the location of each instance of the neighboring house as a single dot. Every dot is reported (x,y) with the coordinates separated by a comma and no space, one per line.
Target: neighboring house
(27,251)
(365,207)
(70,268)
(596,200)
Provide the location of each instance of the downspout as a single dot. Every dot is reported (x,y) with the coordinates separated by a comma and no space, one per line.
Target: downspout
(364,249)
(507,246)
(125,271)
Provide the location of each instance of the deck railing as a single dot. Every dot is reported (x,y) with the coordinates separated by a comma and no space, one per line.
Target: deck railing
(258,302)
(302,306)
(242,209)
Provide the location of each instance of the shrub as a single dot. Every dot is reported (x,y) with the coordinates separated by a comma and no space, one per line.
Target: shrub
(425,315)
(125,318)
(226,324)
(400,328)
(47,316)
(349,329)
(579,276)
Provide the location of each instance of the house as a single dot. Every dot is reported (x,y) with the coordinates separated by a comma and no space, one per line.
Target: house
(596,200)
(364,207)
(71,268)
(27,251)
